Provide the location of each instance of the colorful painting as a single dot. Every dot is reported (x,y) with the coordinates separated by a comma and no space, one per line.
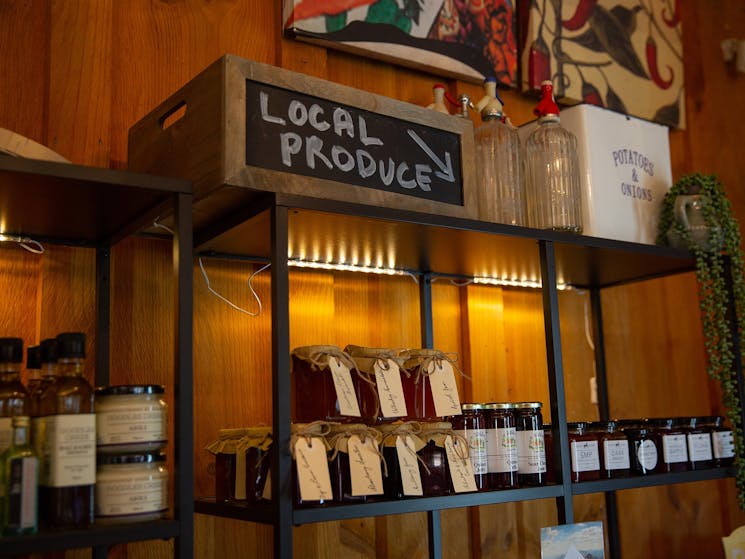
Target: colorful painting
(625,55)
(573,541)
(466,39)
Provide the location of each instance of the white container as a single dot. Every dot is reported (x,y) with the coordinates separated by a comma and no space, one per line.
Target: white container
(131,418)
(625,171)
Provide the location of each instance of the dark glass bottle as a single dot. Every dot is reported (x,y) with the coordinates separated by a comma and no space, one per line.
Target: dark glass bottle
(19,469)
(69,461)
(531,450)
(14,398)
(48,361)
(614,449)
(584,452)
(501,445)
(471,425)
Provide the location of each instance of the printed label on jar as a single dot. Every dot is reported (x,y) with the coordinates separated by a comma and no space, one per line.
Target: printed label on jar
(616,454)
(585,456)
(646,454)
(444,389)
(724,444)
(461,471)
(501,450)
(22,492)
(345,395)
(408,465)
(390,389)
(364,466)
(531,452)
(699,446)
(674,449)
(312,467)
(476,449)
(131,496)
(6,432)
(70,450)
(135,424)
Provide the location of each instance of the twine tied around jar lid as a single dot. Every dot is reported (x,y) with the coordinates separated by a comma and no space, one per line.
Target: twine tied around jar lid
(227,441)
(425,359)
(367,357)
(342,432)
(309,431)
(256,437)
(439,431)
(409,429)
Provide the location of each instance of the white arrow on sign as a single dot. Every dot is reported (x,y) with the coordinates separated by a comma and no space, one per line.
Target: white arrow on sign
(446,168)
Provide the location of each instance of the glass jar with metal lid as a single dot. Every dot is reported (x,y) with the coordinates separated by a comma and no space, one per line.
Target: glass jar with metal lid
(722,441)
(698,436)
(501,445)
(131,487)
(644,451)
(614,449)
(584,452)
(131,418)
(671,440)
(531,450)
(471,425)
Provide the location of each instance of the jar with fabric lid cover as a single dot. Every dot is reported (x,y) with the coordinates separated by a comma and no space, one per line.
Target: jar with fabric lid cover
(386,401)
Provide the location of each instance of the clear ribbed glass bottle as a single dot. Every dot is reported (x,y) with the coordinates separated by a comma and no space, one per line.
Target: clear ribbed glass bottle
(552,171)
(499,165)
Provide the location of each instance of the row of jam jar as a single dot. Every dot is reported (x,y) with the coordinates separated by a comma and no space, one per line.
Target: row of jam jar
(372,385)
(612,449)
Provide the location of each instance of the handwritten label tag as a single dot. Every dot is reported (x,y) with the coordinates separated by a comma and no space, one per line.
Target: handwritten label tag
(444,389)
(348,404)
(312,470)
(461,471)
(267,492)
(390,389)
(408,465)
(364,466)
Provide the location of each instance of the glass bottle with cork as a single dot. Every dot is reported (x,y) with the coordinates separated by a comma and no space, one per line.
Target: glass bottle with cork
(33,374)
(19,472)
(66,409)
(14,398)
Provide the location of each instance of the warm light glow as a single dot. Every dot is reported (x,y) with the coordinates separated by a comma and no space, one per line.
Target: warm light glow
(346,267)
(509,282)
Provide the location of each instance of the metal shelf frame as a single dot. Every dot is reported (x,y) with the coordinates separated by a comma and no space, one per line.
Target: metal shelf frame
(95,208)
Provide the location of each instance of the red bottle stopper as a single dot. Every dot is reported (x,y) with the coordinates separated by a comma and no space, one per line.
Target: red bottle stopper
(547,105)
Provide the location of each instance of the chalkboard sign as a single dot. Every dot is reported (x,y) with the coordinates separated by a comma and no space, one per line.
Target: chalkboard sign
(305,135)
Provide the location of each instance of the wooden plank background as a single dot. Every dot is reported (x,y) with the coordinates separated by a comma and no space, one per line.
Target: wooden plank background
(77,75)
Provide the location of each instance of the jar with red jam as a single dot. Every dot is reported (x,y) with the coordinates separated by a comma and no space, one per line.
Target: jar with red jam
(311,434)
(644,450)
(584,452)
(531,450)
(256,446)
(471,425)
(698,436)
(671,439)
(722,441)
(434,467)
(615,460)
(339,461)
(501,445)
(401,445)
(382,367)
(225,449)
(328,386)
(418,365)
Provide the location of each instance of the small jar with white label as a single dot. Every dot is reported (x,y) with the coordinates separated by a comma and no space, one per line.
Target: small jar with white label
(644,451)
(671,439)
(722,441)
(698,435)
(615,461)
(471,425)
(501,445)
(531,449)
(131,488)
(131,418)
(584,452)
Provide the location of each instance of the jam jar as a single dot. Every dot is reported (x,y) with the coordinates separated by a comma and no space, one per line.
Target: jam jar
(315,384)
(698,435)
(643,449)
(131,418)
(339,461)
(387,387)
(614,449)
(722,441)
(501,445)
(433,457)
(418,365)
(471,425)
(225,448)
(671,439)
(531,450)
(256,447)
(403,436)
(584,452)
(312,434)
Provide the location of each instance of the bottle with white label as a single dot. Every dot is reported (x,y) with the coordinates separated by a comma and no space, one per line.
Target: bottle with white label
(698,436)
(671,439)
(48,368)
(14,399)
(501,445)
(69,462)
(584,451)
(19,471)
(531,449)
(471,425)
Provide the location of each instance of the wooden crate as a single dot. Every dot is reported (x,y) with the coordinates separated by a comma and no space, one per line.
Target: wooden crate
(246,126)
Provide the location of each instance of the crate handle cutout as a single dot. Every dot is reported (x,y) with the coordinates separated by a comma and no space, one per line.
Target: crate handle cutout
(173,115)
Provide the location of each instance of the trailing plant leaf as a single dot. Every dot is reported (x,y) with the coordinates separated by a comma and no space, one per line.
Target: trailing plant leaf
(720,274)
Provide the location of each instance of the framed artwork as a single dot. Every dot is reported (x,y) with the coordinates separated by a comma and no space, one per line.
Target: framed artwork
(625,55)
(573,541)
(464,39)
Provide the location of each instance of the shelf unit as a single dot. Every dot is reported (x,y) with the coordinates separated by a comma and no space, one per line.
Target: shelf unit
(280,227)
(72,205)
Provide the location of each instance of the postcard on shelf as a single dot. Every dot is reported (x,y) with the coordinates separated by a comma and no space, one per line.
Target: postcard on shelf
(573,541)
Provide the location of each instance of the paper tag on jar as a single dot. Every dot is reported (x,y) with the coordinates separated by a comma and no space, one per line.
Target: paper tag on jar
(444,389)
(461,471)
(408,465)
(312,470)
(266,494)
(345,395)
(390,389)
(364,466)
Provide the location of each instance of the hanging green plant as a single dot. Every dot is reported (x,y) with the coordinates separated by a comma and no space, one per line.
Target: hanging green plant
(697,216)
